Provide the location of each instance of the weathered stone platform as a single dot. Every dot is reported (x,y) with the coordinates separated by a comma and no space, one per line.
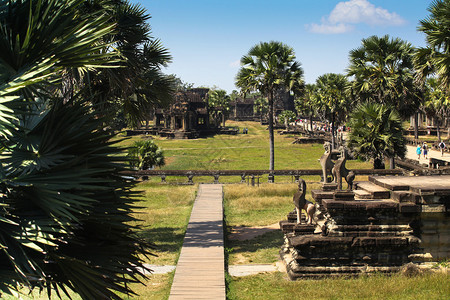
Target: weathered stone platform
(384,224)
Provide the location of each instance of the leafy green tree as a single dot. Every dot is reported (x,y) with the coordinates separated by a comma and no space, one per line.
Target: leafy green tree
(138,85)
(261,106)
(383,72)
(305,104)
(145,155)
(267,67)
(437,102)
(179,84)
(219,103)
(286,117)
(66,220)
(376,132)
(332,95)
(434,59)
(234,95)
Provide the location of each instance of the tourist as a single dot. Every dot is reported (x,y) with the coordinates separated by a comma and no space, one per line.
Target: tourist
(425,150)
(418,151)
(442,147)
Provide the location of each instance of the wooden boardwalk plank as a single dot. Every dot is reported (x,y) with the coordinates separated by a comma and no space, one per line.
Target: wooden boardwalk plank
(200,272)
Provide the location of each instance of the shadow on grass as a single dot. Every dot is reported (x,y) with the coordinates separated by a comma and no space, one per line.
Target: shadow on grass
(166,239)
(272,239)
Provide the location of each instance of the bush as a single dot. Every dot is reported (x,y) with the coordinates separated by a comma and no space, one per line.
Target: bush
(145,155)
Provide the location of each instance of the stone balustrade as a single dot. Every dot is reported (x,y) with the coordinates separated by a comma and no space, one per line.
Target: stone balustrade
(245,174)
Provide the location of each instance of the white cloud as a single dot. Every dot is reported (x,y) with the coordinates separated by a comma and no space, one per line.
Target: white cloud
(235,64)
(329,28)
(362,11)
(355,12)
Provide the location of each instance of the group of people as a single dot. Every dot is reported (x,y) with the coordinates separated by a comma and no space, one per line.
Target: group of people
(423,149)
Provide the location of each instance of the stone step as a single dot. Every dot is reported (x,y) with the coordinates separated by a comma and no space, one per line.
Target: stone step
(376,191)
(362,194)
(371,234)
(319,195)
(341,272)
(405,196)
(372,228)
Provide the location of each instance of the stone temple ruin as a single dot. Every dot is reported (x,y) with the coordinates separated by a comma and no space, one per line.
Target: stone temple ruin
(374,226)
(187,117)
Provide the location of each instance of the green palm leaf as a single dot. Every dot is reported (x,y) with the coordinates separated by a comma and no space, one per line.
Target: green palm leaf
(65,209)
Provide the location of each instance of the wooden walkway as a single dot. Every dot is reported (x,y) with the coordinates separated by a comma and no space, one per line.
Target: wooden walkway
(200,272)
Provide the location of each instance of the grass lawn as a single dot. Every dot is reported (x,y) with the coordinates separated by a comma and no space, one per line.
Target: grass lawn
(156,288)
(277,286)
(240,152)
(258,206)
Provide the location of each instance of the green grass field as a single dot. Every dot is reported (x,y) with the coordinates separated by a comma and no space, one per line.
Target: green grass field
(276,286)
(240,152)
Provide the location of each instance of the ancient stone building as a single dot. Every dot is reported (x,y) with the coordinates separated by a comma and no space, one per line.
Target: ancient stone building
(187,116)
(283,100)
(242,109)
(428,125)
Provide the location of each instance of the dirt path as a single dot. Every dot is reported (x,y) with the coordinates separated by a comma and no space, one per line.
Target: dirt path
(246,233)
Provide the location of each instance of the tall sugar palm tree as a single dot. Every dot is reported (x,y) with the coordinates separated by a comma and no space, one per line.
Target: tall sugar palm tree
(332,94)
(34,39)
(383,73)
(219,102)
(434,59)
(267,67)
(376,132)
(437,102)
(305,104)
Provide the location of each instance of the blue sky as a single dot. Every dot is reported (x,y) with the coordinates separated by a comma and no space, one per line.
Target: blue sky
(207,38)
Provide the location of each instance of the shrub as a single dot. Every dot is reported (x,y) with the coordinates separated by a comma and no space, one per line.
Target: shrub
(145,155)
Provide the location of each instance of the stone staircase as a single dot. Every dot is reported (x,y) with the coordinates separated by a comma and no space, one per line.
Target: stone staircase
(370,190)
(380,226)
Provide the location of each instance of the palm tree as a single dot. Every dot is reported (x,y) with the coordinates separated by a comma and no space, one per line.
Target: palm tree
(261,106)
(267,67)
(286,117)
(437,102)
(383,73)
(145,155)
(66,218)
(219,102)
(434,58)
(332,94)
(376,132)
(138,85)
(305,103)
